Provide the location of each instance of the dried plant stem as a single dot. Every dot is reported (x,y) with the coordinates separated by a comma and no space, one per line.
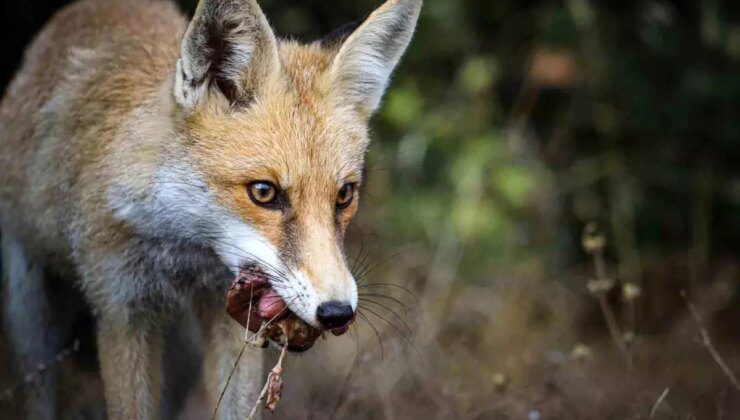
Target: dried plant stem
(226,385)
(600,265)
(261,398)
(278,367)
(247,340)
(609,317)
(629,318)
(629,329)
(42,368)
(658,402)
(613,327)
(707,342)
(238,358)
(441,276)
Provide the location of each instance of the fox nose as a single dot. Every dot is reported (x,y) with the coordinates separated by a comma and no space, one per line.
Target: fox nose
(334,314)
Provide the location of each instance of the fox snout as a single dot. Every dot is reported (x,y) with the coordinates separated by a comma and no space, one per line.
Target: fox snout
(322,292)
(335,315)
(266,293)
(325,272)
(334,305)
(303,271)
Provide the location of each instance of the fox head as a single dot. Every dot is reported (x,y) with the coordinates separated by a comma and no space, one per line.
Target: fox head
(272,139)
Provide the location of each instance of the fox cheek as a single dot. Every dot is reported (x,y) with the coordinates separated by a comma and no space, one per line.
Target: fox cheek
(344,219)
(239,245)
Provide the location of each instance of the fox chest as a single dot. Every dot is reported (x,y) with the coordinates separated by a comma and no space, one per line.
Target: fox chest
(154,276)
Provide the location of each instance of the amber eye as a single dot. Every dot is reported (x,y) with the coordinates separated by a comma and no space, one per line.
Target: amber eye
(345,196)
(263,193)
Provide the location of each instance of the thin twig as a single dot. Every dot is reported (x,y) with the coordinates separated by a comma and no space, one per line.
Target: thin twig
(658,402)
(238,358)
(263,393)
(247,340)
(42,368)
(226,385)
(594,243)
(609,317)
(707,342)
(613,327)
(261,397)
(629,323)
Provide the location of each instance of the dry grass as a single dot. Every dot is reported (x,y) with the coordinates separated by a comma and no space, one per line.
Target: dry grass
(525,346)
(521,345)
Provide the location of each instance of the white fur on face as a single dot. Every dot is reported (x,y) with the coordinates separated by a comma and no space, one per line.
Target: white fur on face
(239,245)
(183,206)
(304,299)
(301,297)
(184,198)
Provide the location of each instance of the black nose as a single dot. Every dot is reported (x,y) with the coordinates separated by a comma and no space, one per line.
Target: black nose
(334,314)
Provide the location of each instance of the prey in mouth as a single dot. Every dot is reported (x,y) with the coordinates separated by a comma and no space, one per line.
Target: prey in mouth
(252,301)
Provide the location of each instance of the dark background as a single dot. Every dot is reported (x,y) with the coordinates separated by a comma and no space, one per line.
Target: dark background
(509,126)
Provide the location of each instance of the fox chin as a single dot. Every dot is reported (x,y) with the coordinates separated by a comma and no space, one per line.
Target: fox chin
(149,161)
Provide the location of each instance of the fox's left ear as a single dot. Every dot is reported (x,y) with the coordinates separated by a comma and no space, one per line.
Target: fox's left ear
(365,61)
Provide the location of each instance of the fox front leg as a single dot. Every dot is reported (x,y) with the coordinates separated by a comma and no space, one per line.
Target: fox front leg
(131,364)
(31,329)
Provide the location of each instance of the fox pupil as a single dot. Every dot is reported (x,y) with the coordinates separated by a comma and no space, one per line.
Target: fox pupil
(262,193)
(345,195)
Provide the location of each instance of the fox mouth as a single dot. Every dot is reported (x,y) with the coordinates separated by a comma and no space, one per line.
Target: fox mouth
(253,303)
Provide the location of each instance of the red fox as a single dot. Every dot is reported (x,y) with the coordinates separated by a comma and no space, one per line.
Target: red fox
(149,161)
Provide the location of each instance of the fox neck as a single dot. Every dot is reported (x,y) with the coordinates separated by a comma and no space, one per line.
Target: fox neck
(149,173)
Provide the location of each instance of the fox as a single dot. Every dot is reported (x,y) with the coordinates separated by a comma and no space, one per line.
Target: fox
(148,160)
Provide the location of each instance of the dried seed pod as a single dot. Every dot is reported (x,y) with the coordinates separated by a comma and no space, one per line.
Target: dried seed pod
(274,388)
(593,240)
(580,352)
(631,292)
(500,381)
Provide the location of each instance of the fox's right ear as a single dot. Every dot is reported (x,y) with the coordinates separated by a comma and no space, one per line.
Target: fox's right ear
(229,47)
(363,65)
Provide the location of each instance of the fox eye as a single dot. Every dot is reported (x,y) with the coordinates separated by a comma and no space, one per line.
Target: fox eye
(345,196)
(263,193)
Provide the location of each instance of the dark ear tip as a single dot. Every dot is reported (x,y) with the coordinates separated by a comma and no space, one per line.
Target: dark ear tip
(338,36)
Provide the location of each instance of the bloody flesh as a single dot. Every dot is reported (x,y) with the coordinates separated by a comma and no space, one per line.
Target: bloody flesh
(251,302)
